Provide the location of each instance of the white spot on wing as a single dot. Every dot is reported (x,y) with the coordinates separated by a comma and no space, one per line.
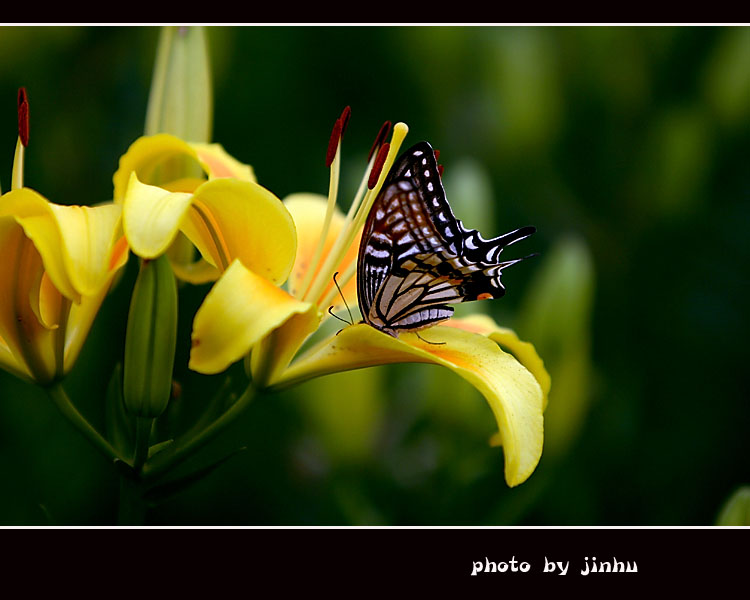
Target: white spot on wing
(411,250)
(377,253)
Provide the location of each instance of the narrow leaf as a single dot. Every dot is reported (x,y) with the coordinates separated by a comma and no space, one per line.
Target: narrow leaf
(163,491)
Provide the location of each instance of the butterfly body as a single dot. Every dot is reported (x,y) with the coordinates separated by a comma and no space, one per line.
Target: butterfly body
(415,258)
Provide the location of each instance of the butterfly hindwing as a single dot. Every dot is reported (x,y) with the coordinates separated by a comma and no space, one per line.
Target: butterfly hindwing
(415,257)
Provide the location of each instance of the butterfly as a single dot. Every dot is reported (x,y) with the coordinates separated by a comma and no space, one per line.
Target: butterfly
(415,258)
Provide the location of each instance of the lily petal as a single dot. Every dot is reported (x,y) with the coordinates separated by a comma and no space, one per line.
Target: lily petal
(80,320)
(513,393)
(75,242)
(308,212)
(148,154)
(88,234)
(241,309)
(31,210)
(82,314)
(523,351)
(231,219)
(14,250)
(217,163)
(151,217)
(9,362)
(198,272)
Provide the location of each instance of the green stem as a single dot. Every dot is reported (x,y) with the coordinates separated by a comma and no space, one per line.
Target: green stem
(61,400)
(132,508)
(186,446)
(142,436)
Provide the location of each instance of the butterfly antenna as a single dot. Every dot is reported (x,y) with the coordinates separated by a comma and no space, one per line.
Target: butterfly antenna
(336,283)
(330,312)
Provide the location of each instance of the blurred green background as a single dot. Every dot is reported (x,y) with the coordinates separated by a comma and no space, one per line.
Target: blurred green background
(627,148)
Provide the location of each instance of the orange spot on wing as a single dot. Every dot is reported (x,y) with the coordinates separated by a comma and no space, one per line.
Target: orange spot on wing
(484,296)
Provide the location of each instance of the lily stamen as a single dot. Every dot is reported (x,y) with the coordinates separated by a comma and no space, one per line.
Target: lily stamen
(358,212)
(23,117)
(374,167)
(378,166)
(385,129)
(23,139)
(333,161)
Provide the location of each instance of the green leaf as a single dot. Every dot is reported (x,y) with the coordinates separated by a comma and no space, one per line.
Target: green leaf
(163,491)
(217,406)
(156,448)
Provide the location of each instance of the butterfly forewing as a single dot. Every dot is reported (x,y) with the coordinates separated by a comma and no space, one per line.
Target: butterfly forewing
(415,257)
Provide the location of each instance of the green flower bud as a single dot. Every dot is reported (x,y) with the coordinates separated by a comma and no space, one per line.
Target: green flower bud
(181,100)
(150,340)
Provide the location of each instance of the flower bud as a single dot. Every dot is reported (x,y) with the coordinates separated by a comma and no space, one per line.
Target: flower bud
(150,340)
(181,101)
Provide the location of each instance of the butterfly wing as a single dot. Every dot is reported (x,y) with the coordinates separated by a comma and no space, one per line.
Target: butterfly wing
(415,257)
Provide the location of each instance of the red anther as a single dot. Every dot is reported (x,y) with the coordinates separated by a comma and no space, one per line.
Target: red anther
(333,143)
(377,166)
(385,129)
(344,118)
(23,116)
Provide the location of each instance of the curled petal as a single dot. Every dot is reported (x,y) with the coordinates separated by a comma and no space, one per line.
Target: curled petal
(182,256)
(507,338)
(198,272)
(276,350)
(75,242)
(217,163)
(89,237)
(240,310)
(152,217)
(152,157)
(231,219)
(513,393)
(58,263)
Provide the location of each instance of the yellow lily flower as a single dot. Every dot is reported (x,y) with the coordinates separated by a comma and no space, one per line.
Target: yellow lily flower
(223,212)
(58,264)
(246,312)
